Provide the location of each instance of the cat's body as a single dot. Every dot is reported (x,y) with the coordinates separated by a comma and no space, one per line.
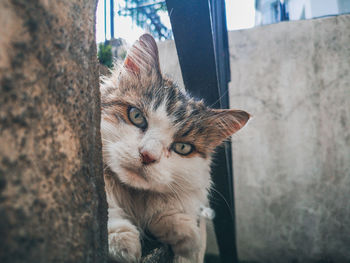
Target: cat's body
(157,146)
(157,213)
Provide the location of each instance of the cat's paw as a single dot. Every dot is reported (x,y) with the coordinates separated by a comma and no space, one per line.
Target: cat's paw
(186,241)
(180,231)
(124,245)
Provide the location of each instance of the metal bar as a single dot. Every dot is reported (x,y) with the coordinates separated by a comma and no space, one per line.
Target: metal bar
(226,217)
(201,41)
(112,18)
(105,18)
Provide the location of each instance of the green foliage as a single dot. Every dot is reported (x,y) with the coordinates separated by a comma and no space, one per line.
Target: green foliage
(104,55)
(122,54)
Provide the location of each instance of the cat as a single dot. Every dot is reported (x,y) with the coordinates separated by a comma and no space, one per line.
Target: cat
(157,144)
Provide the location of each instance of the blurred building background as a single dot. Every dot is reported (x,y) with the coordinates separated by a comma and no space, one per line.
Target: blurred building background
(274,11)
(128,19)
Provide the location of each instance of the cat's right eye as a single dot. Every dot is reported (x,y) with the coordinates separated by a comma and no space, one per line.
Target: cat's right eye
(182,148)
(136,117)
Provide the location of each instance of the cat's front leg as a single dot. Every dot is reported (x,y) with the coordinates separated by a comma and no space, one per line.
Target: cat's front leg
(123,239)
(179,230)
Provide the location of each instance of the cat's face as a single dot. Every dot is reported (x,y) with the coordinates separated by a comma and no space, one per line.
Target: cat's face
(154,136)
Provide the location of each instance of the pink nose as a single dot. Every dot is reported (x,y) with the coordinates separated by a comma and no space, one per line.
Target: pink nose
(147,158)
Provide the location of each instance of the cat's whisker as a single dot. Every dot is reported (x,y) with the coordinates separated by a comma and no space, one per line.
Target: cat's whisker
(223,198)
(108,163)
(105,140)
(180,187)
(219,99)
(176,195)
(182,179)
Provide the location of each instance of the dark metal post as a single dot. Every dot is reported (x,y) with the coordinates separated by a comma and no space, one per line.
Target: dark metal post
(284,16)
(201,41)
(224,223)
(112,18)
(105,19)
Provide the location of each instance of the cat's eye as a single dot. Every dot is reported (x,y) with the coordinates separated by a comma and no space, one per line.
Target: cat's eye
(182,148)
(137,118)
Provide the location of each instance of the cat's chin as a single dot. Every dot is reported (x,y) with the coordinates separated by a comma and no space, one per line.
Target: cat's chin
(138,179)
(133,178)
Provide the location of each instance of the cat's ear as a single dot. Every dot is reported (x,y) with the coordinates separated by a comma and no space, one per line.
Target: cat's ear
(143,56)
(223,123)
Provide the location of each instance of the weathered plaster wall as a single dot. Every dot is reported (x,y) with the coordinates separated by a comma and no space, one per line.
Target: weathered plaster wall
(52,202)
(292,161)
(169,61)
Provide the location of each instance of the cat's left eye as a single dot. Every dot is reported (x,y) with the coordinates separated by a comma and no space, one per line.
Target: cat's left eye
(137,118)
(182,148)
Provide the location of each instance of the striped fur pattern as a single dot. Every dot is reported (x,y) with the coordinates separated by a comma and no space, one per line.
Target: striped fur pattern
(163,194)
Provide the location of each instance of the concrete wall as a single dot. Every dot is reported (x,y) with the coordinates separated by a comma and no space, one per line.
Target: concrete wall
(344,6)
(169,61)
(292,161)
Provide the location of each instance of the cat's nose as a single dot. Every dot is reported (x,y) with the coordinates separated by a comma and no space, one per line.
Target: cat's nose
(147,157)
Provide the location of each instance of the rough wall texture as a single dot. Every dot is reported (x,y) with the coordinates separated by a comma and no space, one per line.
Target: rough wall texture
(169,61)
(292,161)
(52,203)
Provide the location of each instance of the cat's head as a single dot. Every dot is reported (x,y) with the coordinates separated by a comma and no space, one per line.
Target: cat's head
(155,136)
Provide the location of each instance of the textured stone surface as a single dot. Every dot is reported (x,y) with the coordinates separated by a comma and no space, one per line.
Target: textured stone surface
(292,161)
(52,201)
